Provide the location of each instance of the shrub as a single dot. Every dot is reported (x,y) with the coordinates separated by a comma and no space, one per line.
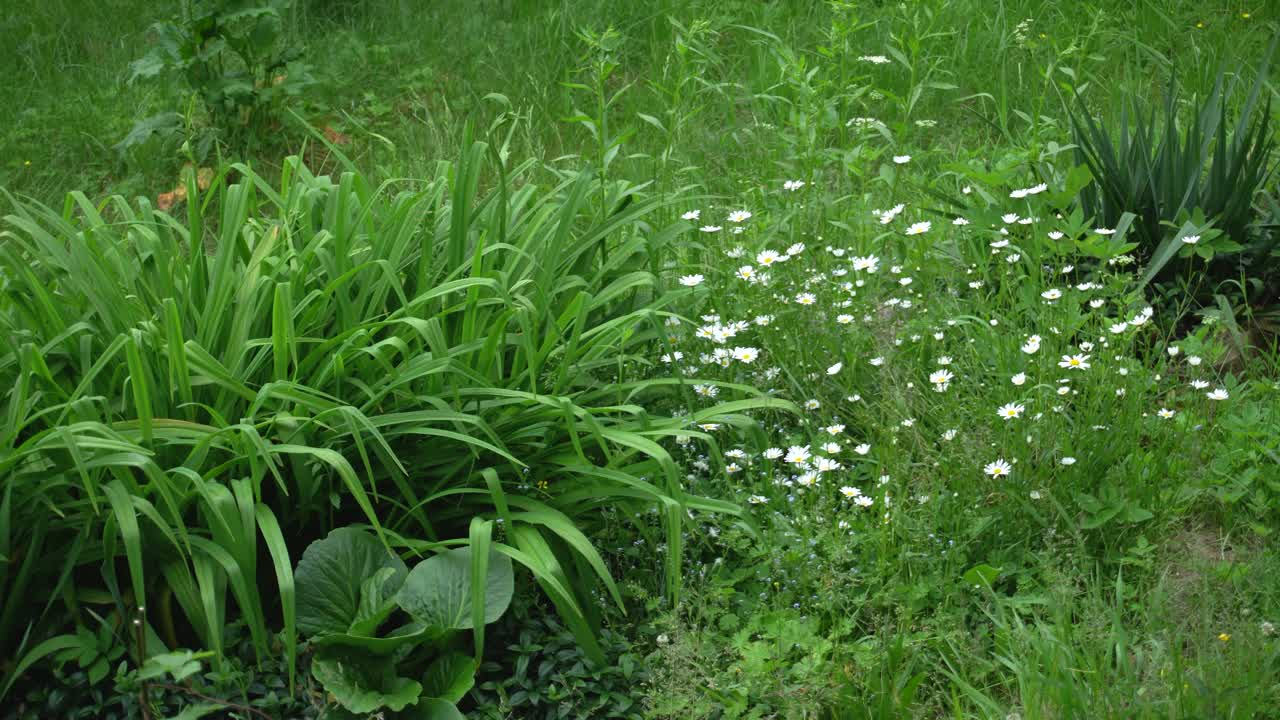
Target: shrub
(340,353)
(235,57)
(1168,173)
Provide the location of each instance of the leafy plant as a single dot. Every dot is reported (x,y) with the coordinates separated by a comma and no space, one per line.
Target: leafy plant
(543,673)
(235,57)
(1149,163)
(599,62)
(175,684)
(412,360)
(349,585)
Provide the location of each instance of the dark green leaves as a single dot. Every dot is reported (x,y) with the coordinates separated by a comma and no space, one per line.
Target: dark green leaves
(223,49)
(363,682)
(331,580)
(318,355)
(1162,166)
(377,601)
(433,709)
(1110,505)
(348,585)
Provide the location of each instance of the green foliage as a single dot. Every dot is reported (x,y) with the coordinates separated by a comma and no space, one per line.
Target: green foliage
(544,674)
(235,57)
(202,389)
(348,586)
(1152,163)
(486,367)
(95,653)
(1050,651)
(1243,483)
(176,684)
(363,682)
(776,663)
(438,591)
(598,65)
(339,581)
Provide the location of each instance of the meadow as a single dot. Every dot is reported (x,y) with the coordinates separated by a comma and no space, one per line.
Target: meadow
(611,359)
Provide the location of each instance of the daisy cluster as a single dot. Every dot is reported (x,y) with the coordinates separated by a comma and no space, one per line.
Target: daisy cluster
(993,345)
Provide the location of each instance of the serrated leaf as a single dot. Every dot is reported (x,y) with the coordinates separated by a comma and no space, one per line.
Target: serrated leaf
(146,128)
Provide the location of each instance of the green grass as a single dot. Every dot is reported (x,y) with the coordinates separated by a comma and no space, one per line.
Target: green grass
(454,343)
(389,71)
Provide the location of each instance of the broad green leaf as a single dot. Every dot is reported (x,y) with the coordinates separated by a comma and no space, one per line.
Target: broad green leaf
(411,634)
(377,601)
(330,576)
(279,550)
(438,591)
(127,519)
(981,575)
(429,708)
(363,682)
(481,537)
(450,677)
(194,711)
(179,664)
(38,653)
(1102,517)
(1136,514)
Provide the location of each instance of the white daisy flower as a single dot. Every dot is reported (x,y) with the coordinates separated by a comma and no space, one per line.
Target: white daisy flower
(997,469)
(797,454)
(1074,362)
(1010,411)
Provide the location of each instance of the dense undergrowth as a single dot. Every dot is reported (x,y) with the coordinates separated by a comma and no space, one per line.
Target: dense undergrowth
(697,360)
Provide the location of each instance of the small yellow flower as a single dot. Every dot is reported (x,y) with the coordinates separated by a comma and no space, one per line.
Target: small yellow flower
(1200,24)
(1245,16)
(1224,637)
(26,163)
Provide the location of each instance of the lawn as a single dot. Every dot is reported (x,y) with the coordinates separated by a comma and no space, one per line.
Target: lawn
(685,359)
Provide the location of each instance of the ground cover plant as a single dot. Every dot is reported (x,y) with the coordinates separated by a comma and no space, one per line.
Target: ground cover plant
(712,359)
